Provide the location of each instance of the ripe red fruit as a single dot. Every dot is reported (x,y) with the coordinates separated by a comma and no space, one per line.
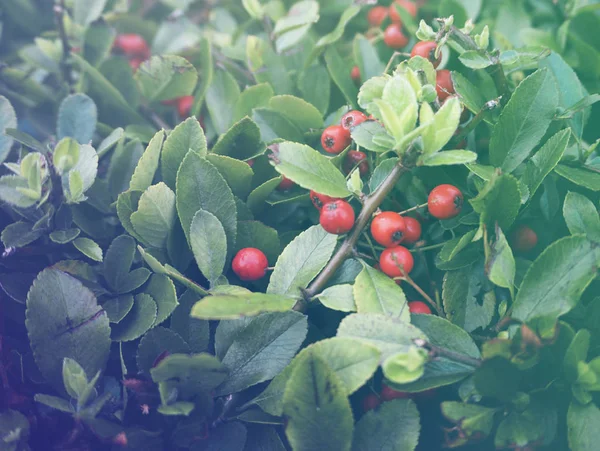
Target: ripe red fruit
(371,402)
(524,238)
(335,139)
(285,184)
(250,264)
(377,15)
(337,217)
(352,119)
(445,201)
(443,84)
(426,49)
(354,157)
(355,74)
(184,105)
(394,258)
(319,200)
(412,234)
(388,228)
(394,38)
(409,6)
(388,393)
(419,307)
(132,44)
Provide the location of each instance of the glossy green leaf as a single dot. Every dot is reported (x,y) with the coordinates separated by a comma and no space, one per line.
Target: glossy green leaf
(450,157)
(581,216)
(274,126)
(303,114)
(365,135)
(315,86)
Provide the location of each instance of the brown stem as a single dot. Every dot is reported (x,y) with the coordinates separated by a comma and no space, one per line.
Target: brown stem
(435,351)
(425,296)
(59,12)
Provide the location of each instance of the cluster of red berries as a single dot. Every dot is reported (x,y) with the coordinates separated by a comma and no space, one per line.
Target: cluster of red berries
(134,47)
(393,35)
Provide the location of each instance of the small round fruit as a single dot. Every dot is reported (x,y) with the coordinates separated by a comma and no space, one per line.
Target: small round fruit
(335,139)
(388,393)
(443,84)
(354,157)
(524,238)
(355,74)
(395,258)
(371,402)
(377,15)
(409,6)
(412,234)
(419,307)
(394,38)
(132,44)
(337,217)
(426,49)
(352,119)
(285,184)
(250,264)
(184,105)
(388,228)
(445,201)
(319,200)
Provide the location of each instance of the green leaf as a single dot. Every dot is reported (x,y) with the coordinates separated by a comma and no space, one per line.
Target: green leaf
(166,77)
(148,164)
(256,96)
(301,261)
(394,426)
(77,117)
(499,201)
(290,29)
(55,402)
(581,216)
(65,155)
(582,423)
(555,281)
(262,349)
(62,236)
(237,306)
(242,140)
(470,95)
(338,297)
(301,113)
(117,308)
(475,59)
(63,319)
(236,173)
(258,196)
(337,33)
(200,186)
(365,135)
(267,66)
(545,160)
(524,120)
(20,234)
(194,331)
(221,98)
(155,216)
(8,119)
(138,321)
(501,267)
(309,169)
(475,422)
(402,100)
(256,234)
(367,58)
(340,74)
(89,248)
(117,263)
(122,166)
(87,11)
(74,378)
(275,126)
(127,204)
(155,343)
(162,291)
(97,42)
(315,86)
(579,176)
(450,157)
(209,245)
(315,404)
(374,292)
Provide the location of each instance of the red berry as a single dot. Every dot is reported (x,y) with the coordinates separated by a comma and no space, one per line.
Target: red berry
(285,184)
(413,230)
(445,201)
(352,119)
(371,402)
(388,228)
(354,157)
(335,139)
(524,238)
(319,200)
(337,217)
(377,15)
(394,38)
(184,105)
(132,44)
(355,74)
(395,258)
(408,5)
(134,63)
(426,49)
(419,307)
(250,264)
(388,393)
(443,84)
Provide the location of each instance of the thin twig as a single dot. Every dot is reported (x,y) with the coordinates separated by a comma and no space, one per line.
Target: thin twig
(154,118)
(425,296)
(59,13)
(416,207)
(370,243)
(436,351)
(428,248)
(489,106)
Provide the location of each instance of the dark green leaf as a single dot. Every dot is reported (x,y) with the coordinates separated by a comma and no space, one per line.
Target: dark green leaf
(580,176)
(117,308)
(221,98)
(20,234)
(155,216)
(367,58)
(256,96)
(162,291)
(267,66)
(583,425)
(236,173)
(209,244)
(242,140)
(166,77)
(155,343)
(63,236)
(148,164)
(122,166)
(498,202)
(127,204)
(194,331)
(315,86)
(138,321)
(581,216)
(274,126)
(340,74)
(256,234)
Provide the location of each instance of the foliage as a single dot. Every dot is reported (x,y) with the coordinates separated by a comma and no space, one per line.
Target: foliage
(130,179)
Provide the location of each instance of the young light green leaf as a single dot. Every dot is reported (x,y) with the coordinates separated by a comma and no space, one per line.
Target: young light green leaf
(399,94)
(524,120)
(209,244)
(148,164)
(374,292)
(364,135)
(87,11)
(89,248)
(74,377)
(501,265)
(65,155)
(581,216)
(166,77)
(138,321)
(450,157)
(442,128)
(62,236)
(309,169)
(221,98)
(155,216)
(238,306)
(303,114)
(301,261)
